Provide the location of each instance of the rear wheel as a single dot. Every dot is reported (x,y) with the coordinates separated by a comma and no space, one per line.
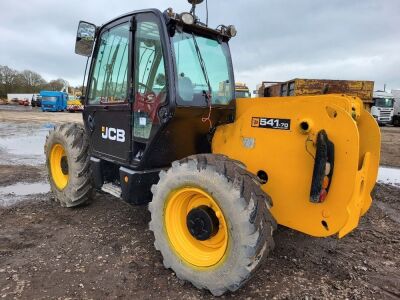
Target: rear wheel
(211,222)
(67,162)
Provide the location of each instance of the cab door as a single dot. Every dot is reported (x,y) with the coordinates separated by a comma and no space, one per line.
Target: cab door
(150,80)
(108,110)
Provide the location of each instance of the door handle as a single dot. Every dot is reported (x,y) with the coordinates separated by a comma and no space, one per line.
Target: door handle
(91,122)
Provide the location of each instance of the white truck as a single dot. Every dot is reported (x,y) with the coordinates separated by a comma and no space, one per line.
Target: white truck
(382,108)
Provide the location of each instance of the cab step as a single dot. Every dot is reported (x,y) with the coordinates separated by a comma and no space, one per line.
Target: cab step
(112,189)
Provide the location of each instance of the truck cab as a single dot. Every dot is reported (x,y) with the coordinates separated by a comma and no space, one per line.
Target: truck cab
(241,90)
(383,107)
(36,100)
(53,100)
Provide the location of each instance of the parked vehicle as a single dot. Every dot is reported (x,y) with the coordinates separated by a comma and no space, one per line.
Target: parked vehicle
(241,90)
(74,105)
(54,101)
(14,101)
(36,101)
(24,102)
(382,107)
(220,173)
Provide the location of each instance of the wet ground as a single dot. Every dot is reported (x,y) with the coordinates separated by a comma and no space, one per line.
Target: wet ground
(23,143)
(105,250)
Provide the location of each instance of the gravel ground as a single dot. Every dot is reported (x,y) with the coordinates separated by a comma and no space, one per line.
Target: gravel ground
(105,250)
(390,152)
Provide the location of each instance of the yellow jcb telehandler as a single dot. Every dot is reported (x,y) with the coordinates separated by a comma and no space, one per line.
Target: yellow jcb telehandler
(162,125)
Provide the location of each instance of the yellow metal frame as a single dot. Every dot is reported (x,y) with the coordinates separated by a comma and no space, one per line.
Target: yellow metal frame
(287,156)
(200,254)
(60,179)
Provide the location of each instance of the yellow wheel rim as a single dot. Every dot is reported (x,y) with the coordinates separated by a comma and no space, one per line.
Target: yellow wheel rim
(59,166)
(198,253)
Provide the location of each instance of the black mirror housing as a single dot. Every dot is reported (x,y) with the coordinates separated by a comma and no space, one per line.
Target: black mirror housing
(85,37)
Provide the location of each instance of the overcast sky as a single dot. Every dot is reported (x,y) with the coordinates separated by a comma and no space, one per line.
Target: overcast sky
(277,39)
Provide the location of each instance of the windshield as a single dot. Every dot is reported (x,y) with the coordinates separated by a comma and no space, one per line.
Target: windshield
(192,82)
(242,94)
(383,102)
(49,99)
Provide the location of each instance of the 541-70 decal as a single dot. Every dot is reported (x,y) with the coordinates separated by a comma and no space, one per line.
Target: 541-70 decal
(271,123)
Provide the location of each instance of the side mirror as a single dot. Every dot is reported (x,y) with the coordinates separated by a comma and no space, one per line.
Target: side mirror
(85,38)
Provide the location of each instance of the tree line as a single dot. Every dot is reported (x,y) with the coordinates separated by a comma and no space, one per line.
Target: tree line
(26,82)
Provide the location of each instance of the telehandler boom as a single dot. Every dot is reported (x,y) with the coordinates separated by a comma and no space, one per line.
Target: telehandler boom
(161,124)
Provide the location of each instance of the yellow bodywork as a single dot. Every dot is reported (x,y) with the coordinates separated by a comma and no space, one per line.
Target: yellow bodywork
(287,157)
(74,105)
(74,102)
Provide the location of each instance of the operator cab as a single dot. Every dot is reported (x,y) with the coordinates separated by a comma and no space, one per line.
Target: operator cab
(158,85)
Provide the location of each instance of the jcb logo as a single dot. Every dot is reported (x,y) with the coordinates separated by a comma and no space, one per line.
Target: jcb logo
(113,134)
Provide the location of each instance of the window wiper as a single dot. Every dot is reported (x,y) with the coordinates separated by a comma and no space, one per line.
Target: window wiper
(204,70)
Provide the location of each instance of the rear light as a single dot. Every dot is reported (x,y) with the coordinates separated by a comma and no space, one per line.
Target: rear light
(325,182)
(322,195)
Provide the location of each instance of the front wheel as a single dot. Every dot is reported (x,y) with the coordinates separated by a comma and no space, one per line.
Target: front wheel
(67,162)
(211,222)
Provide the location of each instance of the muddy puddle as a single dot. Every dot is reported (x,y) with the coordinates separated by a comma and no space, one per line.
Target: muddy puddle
(22,144)
(12,194)
(389,175)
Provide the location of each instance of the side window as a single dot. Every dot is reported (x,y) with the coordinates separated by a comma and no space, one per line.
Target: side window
(150,78)
(109,79)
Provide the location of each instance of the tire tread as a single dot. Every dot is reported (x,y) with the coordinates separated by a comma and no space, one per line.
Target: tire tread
(79,189)
(256,209)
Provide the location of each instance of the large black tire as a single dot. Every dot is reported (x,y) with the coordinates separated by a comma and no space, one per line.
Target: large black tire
(73,139)
(396,121)
(246,210)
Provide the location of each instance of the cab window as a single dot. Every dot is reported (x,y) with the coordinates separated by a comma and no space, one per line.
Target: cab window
(190,51)
(150,78)
(109,77)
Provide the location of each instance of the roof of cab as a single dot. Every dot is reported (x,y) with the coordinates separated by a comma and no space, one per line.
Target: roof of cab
(150,10)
